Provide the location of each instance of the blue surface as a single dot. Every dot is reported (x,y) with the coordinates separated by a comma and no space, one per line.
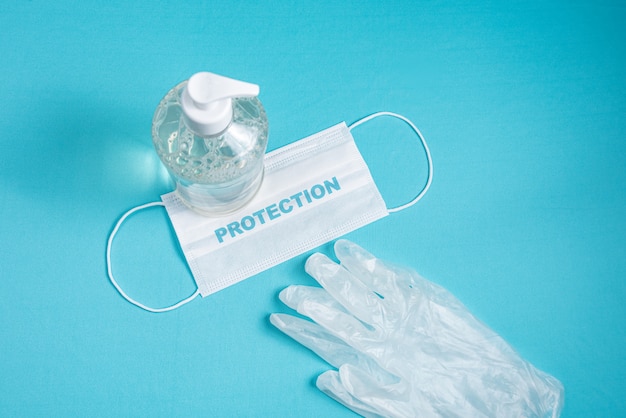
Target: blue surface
(524,107)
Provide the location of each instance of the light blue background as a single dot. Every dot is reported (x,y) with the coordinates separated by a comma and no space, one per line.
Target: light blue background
(523,105)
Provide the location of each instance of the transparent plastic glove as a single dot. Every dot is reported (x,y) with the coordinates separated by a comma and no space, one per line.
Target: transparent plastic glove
(406,347)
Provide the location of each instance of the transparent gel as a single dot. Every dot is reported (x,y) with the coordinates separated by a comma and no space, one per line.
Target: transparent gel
(213,174)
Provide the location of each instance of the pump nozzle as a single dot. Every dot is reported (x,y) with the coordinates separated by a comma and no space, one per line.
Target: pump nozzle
(207,104)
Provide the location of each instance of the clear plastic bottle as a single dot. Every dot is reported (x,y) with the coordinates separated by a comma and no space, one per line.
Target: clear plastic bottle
(211,134)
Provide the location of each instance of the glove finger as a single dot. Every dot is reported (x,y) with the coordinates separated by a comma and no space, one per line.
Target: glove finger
(376,394)
(316,304)
(343,325)
(330,384)
(348,290)
(327,346)
(294,295)
(342,356)
(380,277)
(373,384)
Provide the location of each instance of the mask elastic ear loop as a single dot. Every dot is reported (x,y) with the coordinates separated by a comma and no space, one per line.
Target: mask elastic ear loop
(110,272)
(426,150)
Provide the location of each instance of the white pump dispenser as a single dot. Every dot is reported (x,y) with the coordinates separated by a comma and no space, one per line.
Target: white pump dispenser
(207,101)
(211,134)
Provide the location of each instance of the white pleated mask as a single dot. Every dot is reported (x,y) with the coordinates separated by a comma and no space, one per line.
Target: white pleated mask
(314,190)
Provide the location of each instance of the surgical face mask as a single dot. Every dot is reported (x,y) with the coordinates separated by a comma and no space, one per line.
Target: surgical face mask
(314,190)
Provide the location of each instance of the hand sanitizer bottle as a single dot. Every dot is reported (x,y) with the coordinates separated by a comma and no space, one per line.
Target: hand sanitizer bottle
(211,134)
